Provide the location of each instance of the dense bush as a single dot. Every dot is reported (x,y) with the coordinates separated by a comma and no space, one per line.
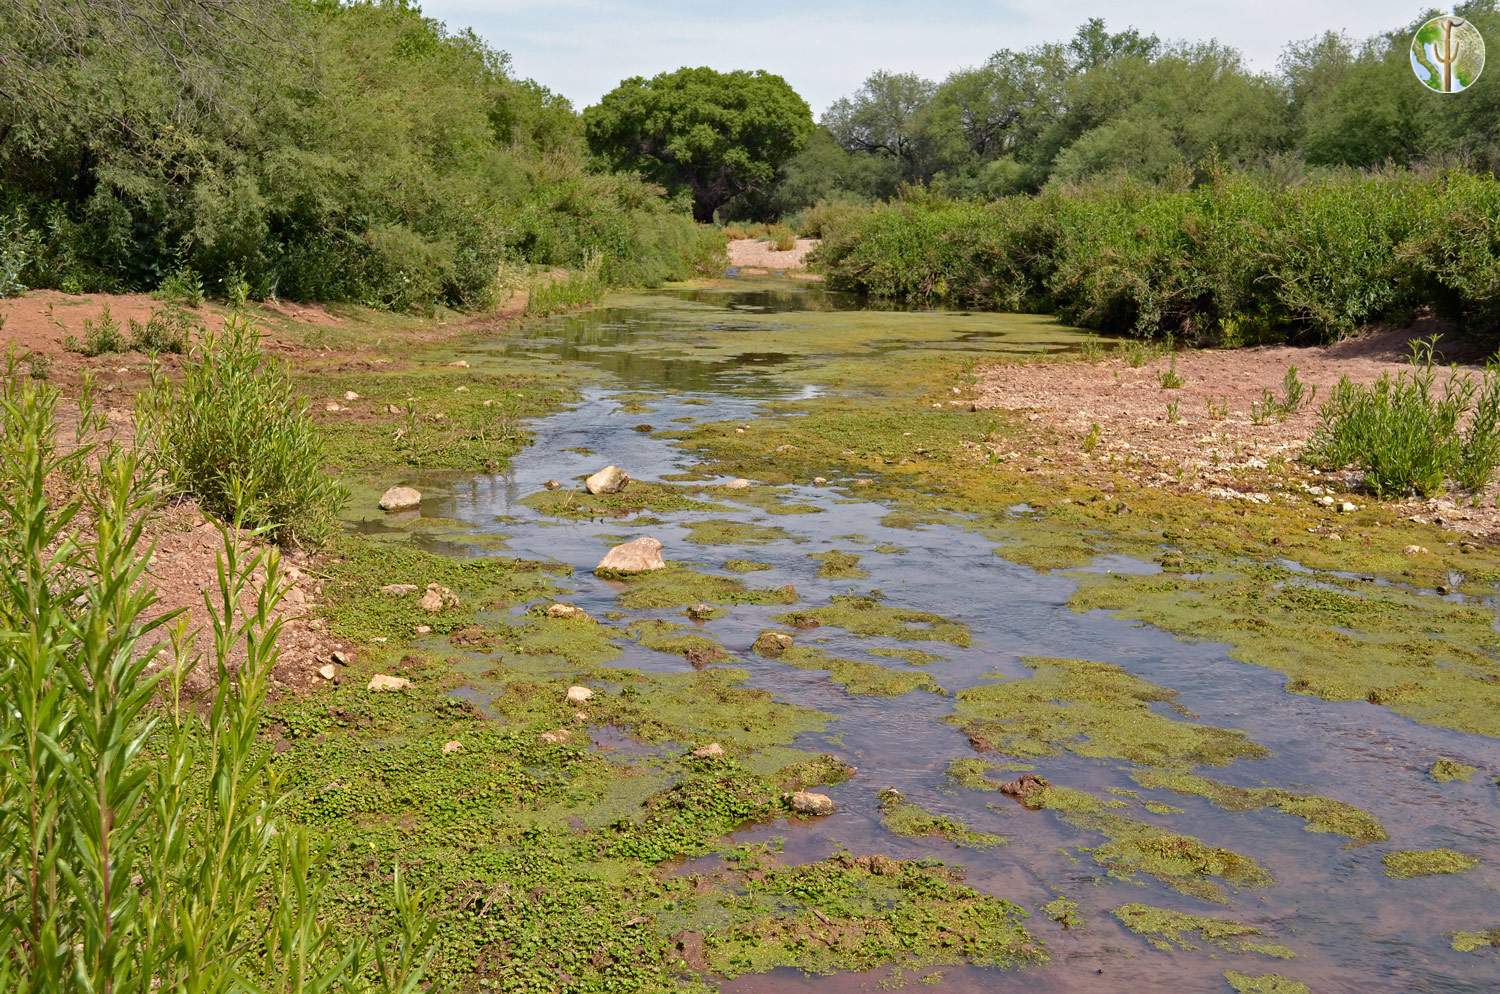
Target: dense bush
(143,839)
(309,150)
(1239,258)
(1407,436)
(233,435)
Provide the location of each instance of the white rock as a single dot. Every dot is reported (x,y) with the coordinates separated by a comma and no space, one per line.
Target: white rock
(398,589)
(609,480)
(711,751)
(381,681)
(1347,508)
(639,556)
(577,695)
(818,481)
(568,612)
(332,407)
(805,802)
(739,483)
(1416,550)
(557,736)
(423,629)
(1326,501)
(400,499)
(350,395)
(459,364)
(327,671)
(437,599)
(452,746)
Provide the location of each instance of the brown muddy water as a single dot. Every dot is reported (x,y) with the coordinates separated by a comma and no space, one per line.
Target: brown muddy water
(674,357)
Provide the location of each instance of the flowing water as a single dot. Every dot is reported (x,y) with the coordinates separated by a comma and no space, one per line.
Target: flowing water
(676,357)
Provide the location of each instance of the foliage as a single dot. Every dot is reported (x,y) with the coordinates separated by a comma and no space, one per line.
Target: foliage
(101,335)
(1405,436)
(233,436)
(161,857)
(1237,260)
(356,152)
(715,136)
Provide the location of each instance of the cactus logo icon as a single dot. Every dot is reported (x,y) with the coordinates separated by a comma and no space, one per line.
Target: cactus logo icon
(1447,54)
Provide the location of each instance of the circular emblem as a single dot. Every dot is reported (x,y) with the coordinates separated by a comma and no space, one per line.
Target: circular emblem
(1447,54)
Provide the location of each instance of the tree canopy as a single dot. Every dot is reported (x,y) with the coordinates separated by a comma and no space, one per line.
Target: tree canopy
(716,136)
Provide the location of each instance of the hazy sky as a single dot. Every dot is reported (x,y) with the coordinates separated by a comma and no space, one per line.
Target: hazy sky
(582,48)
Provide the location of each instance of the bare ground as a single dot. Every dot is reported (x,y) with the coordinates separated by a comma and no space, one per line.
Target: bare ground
(755,255)
(184,545)
(1211,442)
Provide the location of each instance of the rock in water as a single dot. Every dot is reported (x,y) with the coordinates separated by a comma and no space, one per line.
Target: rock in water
(772,644)
(381,681)
(739,483)
(609,480)
(805,802)
(640,556)
(568,612)
(400,499)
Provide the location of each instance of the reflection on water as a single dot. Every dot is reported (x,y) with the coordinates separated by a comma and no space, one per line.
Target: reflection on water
(719,354)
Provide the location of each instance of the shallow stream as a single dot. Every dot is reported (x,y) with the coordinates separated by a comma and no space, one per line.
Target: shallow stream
(672,358)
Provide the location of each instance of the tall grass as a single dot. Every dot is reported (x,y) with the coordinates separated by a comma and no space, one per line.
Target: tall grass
(1409,435)
(142,841)
(233,436)
(1238,260)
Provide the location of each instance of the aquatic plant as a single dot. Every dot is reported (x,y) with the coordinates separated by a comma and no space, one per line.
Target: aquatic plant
(1426,862)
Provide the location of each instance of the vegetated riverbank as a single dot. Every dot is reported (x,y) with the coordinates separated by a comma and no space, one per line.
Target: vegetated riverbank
(1239,259)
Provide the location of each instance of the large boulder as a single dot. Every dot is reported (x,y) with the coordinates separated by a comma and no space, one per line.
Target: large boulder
(639,556)
(609,480)
(400,499)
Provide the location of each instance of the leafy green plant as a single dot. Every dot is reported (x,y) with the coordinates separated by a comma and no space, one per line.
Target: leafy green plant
(100,336)
(1169,378)
(1174,412)
(1217,410)
(1092,437)
(1404,433)
(1294,397)
(166,330)
(18,246)
(233,435)
(181,287)
(147,837)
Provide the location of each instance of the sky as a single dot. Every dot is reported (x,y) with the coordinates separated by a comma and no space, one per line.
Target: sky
(825,48)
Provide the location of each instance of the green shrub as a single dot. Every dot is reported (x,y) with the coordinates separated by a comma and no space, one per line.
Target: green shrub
(100,336)
(166,330)
(1238,260)
(18,247)
(181,288)
(233,436)
(148,845)
(1408,437)
(781,237)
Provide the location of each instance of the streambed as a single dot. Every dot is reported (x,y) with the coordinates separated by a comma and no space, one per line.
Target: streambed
(675,358)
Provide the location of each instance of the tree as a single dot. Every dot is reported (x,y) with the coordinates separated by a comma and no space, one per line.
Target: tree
(884,117)
(716,135)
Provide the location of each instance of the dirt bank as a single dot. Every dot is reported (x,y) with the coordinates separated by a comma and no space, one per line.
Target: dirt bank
(755,255)
(1117,415)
